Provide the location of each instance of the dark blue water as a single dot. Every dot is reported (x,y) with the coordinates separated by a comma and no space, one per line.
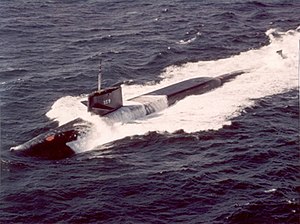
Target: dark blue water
(245,172)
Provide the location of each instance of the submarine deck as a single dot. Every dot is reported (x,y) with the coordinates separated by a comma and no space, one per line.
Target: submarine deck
(182,89)
(179,87)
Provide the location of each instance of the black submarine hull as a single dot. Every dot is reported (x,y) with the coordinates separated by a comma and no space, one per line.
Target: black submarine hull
(54,143)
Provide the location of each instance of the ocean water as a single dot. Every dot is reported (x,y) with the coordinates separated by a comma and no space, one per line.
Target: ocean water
(228,156)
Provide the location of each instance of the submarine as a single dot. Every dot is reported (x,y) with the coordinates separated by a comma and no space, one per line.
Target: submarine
(108,103)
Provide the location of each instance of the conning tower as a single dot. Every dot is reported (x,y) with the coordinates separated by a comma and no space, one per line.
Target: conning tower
(104,101)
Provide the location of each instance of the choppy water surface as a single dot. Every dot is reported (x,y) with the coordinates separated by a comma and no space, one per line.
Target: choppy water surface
(229,156)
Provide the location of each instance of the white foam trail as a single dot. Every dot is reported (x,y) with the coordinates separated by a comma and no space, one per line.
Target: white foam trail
(270,190)
(138,108)
(268,74)
(189,40)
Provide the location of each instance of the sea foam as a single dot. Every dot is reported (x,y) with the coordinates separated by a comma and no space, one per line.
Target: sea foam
(271,69)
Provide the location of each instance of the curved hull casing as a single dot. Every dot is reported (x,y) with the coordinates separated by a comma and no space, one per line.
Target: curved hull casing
(53,144)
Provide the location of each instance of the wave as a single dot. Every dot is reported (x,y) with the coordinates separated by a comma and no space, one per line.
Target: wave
(269,73)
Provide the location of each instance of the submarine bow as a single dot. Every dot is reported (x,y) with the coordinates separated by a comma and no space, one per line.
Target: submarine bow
(54,143)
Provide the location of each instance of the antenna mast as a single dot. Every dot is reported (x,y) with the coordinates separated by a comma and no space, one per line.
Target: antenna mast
(100,75)
(299,66)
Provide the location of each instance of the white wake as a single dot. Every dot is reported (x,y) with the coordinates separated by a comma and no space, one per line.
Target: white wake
(268,73)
